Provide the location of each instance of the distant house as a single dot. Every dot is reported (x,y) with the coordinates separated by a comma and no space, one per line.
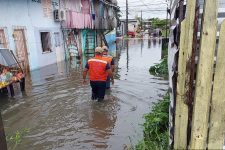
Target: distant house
(30,29)
(132,25)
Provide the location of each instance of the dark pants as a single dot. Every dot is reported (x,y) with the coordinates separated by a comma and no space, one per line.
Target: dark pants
(108,83)
(98,89)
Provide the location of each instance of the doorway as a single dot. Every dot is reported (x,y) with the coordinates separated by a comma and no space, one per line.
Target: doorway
(3,43)
(21,49)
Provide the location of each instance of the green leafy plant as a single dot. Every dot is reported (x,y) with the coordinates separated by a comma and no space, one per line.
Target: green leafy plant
(17,137)
(160,69)
(156,126)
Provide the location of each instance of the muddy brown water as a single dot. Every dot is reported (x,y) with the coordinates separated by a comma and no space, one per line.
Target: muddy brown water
(60,115)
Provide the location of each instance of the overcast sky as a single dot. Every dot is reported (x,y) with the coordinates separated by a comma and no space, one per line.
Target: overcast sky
(150,8)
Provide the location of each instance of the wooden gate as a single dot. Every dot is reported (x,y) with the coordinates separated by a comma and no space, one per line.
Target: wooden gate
(21,49)
(3,43)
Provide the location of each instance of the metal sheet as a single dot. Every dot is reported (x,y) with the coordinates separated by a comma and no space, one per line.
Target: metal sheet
(6,58)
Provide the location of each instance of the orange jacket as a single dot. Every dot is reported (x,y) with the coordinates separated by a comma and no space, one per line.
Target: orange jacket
(97,69)
(108,59)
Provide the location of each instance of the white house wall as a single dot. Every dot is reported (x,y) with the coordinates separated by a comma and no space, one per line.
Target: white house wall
(29,15)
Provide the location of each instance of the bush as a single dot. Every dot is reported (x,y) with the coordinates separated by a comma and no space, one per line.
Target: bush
(160,69)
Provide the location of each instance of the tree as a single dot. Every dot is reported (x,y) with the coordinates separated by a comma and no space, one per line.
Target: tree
(158,23)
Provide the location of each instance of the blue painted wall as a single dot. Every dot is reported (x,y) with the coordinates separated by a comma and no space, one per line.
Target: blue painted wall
(30,15)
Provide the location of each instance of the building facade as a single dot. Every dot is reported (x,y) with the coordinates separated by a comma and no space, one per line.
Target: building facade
(44,32)
(29,29)
(85,24)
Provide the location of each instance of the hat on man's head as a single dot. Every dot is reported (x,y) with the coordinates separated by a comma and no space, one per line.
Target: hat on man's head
(98,50)
(105,48)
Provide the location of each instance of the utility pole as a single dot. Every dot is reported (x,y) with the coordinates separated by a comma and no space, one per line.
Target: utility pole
(141,20)
(166,21)
(127,17)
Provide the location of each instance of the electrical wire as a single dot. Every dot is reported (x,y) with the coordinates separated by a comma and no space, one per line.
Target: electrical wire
(145,7)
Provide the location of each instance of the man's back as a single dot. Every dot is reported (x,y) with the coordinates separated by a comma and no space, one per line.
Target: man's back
(97,69)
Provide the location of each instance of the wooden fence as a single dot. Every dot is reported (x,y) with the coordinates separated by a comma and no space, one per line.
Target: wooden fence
(200,116)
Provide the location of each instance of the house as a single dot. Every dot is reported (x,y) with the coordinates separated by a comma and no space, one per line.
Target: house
(29,29)
(85,23)
(132,26)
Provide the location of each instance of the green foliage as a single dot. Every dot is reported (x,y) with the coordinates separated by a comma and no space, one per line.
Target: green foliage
(164,33)
(17,137)
(161,24)
(158,23)
(156,126)
(160,69)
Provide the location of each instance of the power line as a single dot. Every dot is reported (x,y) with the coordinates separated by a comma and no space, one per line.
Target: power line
(143,7)
(145,4)
(139,1)
(149,10)
(150,4)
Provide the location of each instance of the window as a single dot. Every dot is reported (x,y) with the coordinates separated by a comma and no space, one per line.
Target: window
(46,42)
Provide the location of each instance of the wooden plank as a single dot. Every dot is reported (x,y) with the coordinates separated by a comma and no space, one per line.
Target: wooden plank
(191,6)
(181,114)
(217,122)
(191,10)
(204,76)
(185,53)
(3,144)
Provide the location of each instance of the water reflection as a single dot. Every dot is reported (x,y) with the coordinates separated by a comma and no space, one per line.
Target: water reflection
(127,48)
(149,43)
(142,43)
(103,119)
(154,42)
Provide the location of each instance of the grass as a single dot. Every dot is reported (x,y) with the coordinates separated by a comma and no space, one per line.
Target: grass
(156,126)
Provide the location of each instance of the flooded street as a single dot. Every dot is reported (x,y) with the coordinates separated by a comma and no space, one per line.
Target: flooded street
(59,113)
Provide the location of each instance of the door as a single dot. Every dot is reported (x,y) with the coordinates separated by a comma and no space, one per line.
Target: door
(3,43)
(58,47)
(21,49)
(59,55)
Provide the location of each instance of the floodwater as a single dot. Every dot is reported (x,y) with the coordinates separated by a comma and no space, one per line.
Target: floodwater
(60,115)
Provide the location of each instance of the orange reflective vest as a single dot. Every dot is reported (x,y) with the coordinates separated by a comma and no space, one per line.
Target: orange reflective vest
(108,59)
(97,69)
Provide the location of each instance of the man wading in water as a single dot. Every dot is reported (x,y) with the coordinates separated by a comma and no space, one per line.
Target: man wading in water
(98,70)
(110,60)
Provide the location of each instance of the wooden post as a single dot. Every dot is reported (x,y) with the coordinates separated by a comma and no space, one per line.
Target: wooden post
(204,76)
(217,116)
(3,145)
(181,114)
(185,53)
(190,35)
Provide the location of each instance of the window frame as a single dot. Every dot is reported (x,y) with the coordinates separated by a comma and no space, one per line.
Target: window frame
(50,39)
